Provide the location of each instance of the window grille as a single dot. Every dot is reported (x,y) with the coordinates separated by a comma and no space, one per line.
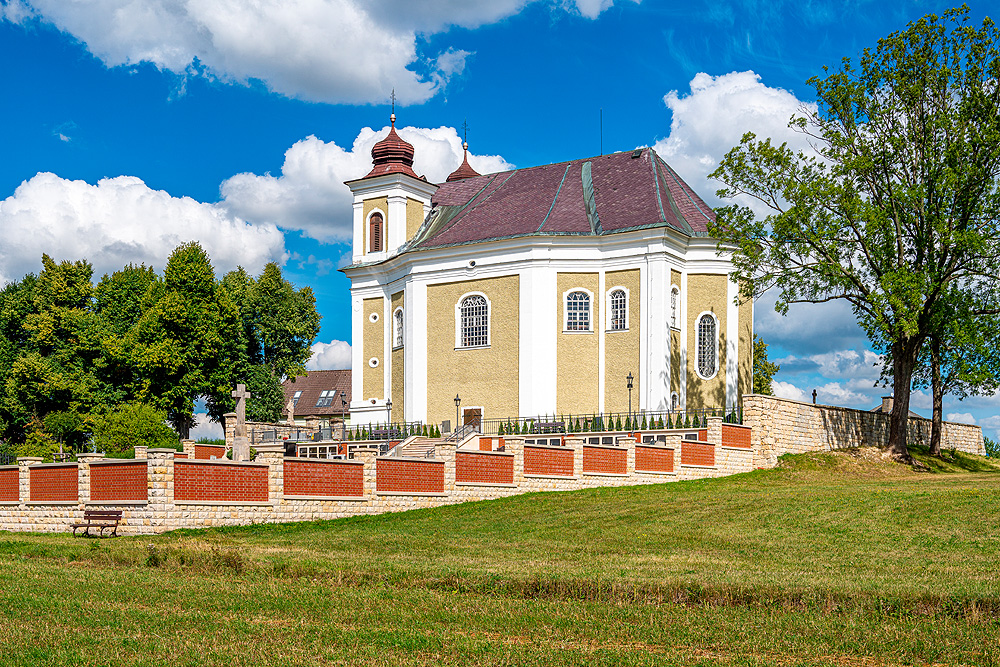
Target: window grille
(618,304)
(326,398)
(674,298)
(475,321)
(375,231)
(577,311)
(706,346)
(398,318)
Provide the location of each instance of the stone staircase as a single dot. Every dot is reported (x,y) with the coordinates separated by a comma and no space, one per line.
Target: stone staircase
(418,447)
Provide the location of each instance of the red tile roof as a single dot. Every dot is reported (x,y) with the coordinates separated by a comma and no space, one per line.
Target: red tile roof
(392,155)
(312,385)
(464,170)
(592,196)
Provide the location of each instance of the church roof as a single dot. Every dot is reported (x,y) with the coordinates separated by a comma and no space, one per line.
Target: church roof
(587,197)
(465,169)
(392,155)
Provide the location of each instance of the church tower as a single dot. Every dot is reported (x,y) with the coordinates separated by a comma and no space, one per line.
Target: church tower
(391,202)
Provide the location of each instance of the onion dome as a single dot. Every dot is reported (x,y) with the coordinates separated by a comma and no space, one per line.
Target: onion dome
(392,155)
(465,170)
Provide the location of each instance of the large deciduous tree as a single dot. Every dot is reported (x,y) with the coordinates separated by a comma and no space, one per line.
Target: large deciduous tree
(899,203)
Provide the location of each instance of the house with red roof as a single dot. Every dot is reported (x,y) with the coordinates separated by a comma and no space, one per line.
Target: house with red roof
(588,286)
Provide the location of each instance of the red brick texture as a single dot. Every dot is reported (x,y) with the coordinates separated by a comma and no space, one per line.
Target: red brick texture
(54,483)
(206,452)
(703,434)
(194,480)
(602,459)
(653,459)
(697,453)
(311,478)
(9,481)
(180,455)
(119,481)
(735,436)
(484,468)
(542,461)
(403,476)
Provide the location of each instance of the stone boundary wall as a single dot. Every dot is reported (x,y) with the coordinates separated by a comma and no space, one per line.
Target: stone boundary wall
(783,426)
(311,482)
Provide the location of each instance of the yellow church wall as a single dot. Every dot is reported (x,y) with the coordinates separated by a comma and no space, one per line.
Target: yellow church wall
(484,377)
(396,381)
(369,205)
(621,348)
(414,217)
(706,292)
(675,361)
(577,352)
(745,385)
(373,382)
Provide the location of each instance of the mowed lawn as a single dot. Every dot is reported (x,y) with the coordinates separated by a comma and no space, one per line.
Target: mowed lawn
(831,559)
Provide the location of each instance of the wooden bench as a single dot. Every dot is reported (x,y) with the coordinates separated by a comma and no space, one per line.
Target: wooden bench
(548,427)
(102,519)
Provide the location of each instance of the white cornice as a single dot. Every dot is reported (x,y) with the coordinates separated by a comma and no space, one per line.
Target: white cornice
(368,186)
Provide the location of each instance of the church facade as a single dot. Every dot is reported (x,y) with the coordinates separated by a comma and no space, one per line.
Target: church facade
(538,291)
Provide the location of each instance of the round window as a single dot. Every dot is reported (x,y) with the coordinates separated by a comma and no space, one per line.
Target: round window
(373,317)
(373,362)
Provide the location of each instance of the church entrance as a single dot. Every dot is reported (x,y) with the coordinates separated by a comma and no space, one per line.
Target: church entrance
(473,417)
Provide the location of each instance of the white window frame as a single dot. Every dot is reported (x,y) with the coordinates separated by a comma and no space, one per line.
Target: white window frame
(368,230)
(674,307)
(609,312)
(675,401)
(458,322)
(590,311)
(397,328)
(697,345)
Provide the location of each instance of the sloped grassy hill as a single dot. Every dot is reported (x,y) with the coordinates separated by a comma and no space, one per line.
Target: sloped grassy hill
(829,559)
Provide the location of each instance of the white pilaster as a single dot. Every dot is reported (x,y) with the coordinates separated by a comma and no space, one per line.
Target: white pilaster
(601,324)
(396,226)
(656,328)
(644,390)
(538,337)
(415,356)
(732,342)
(684,338)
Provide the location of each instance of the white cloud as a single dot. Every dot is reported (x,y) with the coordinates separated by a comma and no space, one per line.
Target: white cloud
(310,195)
(335,355)
(787,390)
(338,51)
(118,221)
(206,428)
(960,417)
(715,114)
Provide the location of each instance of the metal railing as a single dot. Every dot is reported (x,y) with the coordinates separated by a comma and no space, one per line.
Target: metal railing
(608,421)
(463,431)
(391,431)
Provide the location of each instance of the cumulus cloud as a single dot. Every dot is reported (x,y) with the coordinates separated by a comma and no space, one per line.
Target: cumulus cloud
(206,428)
(960,417)
(335,355)
(787,390)
(118,221)
(310,196)
(338,51)
(831,393)
(711,118)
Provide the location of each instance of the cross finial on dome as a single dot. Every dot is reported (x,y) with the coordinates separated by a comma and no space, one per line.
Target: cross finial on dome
(464,170)
(392,116)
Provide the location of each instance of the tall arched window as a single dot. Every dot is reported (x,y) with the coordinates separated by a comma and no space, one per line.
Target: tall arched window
(397,322)
(619,304)
(707,346)
(577,311)
(475,321)
(375,233)
(675,297)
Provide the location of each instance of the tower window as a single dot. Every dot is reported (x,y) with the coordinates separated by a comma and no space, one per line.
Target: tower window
(577,311)
(707,346)
(375,233)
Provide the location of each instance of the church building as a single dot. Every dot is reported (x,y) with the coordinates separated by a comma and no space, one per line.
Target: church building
(539,291)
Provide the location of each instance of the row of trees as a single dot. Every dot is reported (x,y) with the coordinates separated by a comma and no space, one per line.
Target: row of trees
(896,211)
(72,351)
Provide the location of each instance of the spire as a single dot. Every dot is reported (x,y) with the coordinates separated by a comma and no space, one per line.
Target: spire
(392,155)
(465,170)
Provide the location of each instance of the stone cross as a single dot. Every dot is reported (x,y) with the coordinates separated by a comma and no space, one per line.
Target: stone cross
(241,444)
(290,408)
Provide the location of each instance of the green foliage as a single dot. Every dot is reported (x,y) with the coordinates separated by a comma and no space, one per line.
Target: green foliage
(687,420)
(118,431)
(763,370)
(992,448)
(37,442)
(437,431)
(644,423)
(218,442)
(266,397)
(618,423)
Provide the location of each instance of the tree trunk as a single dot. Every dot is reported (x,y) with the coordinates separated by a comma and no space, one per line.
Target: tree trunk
(937,389)
(903,360)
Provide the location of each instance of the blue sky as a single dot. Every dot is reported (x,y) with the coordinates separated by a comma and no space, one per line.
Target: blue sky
(130,126)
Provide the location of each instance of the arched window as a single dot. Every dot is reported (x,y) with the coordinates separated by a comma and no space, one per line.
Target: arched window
(475,321)
(707,346)
(675,401)
(675,297)
(577,311)
(618,308)
(375,233)
(397,323)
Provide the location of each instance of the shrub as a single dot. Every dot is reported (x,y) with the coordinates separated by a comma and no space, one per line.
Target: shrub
(992,448)
(117,432)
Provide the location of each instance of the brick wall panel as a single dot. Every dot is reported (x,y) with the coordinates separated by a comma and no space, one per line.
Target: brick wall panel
(219,483)
(697,454)
(542,461)
(54,483)
(311,478)
(111,482)
(735,436)
(407,476)
(602,459)
(9,481)
(484,468)
(206,452)
(653,459)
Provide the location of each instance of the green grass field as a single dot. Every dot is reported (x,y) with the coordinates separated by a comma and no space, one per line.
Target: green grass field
(831,559)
